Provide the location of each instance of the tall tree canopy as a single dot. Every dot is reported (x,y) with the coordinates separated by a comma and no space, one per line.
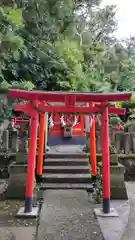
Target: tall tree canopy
(64,45)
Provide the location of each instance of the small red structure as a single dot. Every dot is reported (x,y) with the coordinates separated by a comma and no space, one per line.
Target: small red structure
(118,127)
(70,99)
(76,122)
(66,129)
(15,121)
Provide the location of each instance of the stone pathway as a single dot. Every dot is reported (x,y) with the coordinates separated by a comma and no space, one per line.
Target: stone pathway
(66,149)
(67,215)
(129,233)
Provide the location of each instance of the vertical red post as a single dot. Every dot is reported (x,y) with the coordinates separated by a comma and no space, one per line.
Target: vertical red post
(105,161)
(39,169)
(93,146)
(31,162)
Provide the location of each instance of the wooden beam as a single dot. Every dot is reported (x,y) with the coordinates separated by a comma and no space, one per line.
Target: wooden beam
(62,109)
(85,110)
(60,96)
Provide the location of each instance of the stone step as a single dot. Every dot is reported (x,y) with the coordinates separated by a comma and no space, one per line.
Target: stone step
(85,186)
(66,161)
(66,178)
(66,169)
(66,155)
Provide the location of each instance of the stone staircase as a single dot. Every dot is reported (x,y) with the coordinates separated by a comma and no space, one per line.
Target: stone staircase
(66,171)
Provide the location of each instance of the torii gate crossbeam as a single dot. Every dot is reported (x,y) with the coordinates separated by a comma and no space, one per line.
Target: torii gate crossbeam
(61,96)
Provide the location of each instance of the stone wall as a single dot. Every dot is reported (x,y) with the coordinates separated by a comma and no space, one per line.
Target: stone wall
(124,141)
(10,146)
(128,161)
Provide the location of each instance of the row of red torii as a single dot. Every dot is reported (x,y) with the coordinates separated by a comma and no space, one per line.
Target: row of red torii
(37,105)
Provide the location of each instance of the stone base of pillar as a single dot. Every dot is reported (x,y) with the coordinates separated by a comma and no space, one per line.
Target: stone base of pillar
(118,187)
(17,182)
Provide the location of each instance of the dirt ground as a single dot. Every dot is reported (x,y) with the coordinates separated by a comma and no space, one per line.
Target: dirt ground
(9,209)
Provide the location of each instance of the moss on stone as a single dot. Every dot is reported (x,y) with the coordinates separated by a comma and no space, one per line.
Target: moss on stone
(126,156)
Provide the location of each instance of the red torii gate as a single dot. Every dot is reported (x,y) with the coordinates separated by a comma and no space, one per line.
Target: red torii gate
(70,100)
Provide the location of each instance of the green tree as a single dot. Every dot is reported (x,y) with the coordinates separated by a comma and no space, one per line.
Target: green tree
(57,32)
(64,45)
(11,44)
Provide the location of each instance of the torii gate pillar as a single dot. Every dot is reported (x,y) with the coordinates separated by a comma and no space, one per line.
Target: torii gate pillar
(29,210)
(105,161)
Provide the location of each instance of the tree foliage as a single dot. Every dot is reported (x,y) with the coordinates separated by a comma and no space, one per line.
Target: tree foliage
(64,45)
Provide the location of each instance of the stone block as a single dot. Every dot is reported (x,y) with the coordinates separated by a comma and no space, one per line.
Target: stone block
(114,159)
(99,213)
(129,164)
(14,141)
(23,141)
(5,142)
(131,127)
(118,187)
(21,213)
(133,142)
(98,142)
(17,181)
(113,133)
(21,158)
(117,141)
(127,143)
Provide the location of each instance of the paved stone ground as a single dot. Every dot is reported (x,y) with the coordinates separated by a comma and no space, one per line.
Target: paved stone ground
(129,233)
(66,149)
(123,227)
(67,215)
(114,227)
